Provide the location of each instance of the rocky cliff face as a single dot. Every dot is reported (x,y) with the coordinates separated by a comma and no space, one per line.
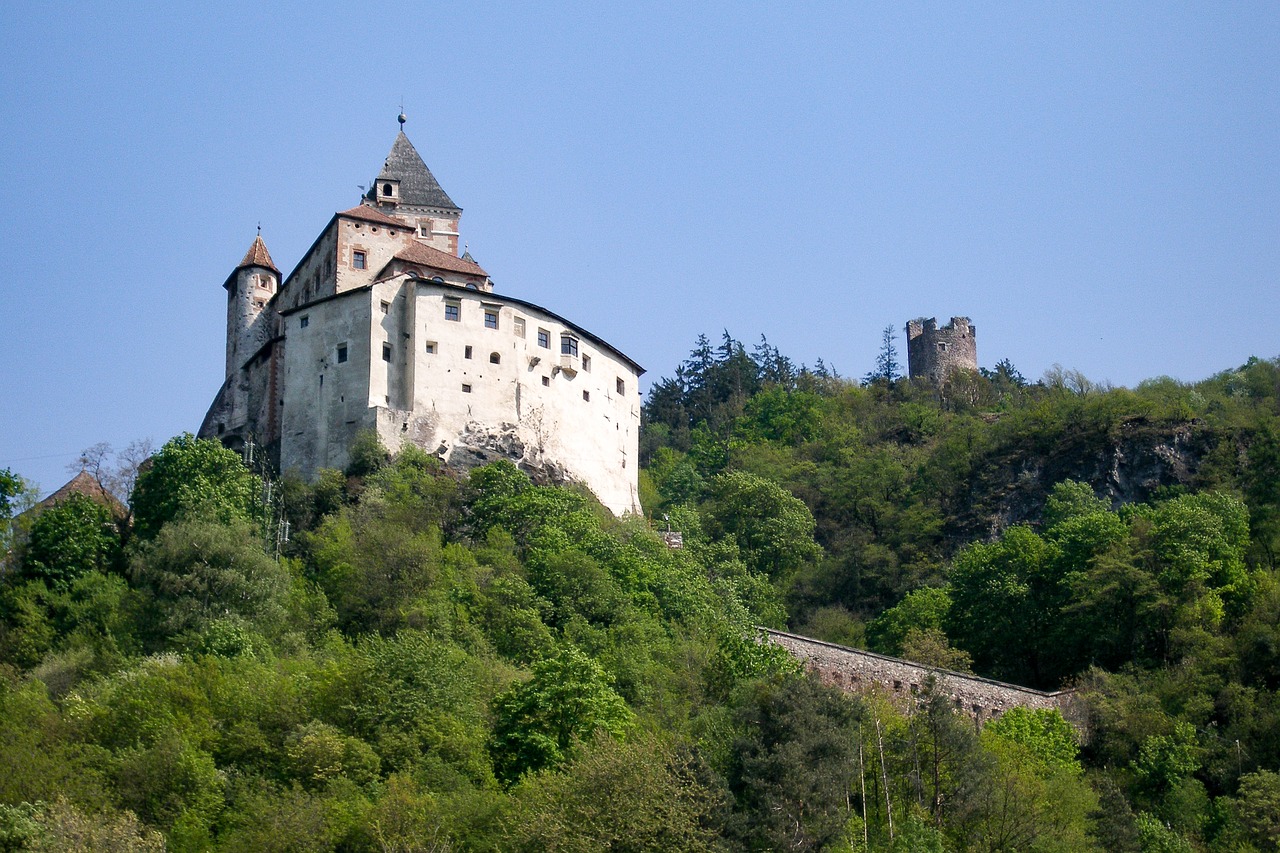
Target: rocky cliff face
(1126,465)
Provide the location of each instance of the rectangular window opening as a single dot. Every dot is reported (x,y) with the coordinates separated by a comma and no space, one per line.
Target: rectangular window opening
(546,380)
(431,347)
(466,389)
(453,311)
(342,353)
(386,306)
(544,338)
(386,352)
(586,363)
(490,319)
(586,395)
(568,345)
(358,260)
(517,327)
(621,386)
(304,322)
(466,352)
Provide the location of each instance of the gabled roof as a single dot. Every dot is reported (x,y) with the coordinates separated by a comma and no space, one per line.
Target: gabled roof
(418,253)
(258,256)
(84,484)
(417,185)
(372,214)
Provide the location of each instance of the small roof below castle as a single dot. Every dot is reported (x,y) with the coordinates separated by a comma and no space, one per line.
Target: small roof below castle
(372,214)
(419,253)
(258,256)
(417,185)
(83,484)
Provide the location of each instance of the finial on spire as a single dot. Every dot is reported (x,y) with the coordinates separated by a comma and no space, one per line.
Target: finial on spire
(401,118)
(259,227)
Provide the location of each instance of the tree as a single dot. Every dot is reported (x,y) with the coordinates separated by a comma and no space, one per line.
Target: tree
(197,478)
(199,571)
(537,723)
(772,528)
(71,538)
(887,369)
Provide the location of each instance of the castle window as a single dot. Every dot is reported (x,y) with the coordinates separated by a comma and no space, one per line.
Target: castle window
(471,285)
(437,279)
(586,363)
(586,395)
(424,228)
(942,347)
(386,306)
(466,353)
(621,386)
(357,260)
(431,347)
(568,345)
(517,327)
(386,352)
(490,318)
(466,389)
(304,322)
(546,380)
(387,189)
(495,358)
(342,353)
(453,311)
(544,338)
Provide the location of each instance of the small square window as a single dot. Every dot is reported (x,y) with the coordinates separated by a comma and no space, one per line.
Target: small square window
(517,326)
(568,345)
(466,389)
(586,363)
(386,306)
(466,353)
(586,395)
(490,319)
(546,380)
(544,338)
(453,311)
(304,322)
(431,347)
(342,353)
(621,386)
(386,352)
(358,260)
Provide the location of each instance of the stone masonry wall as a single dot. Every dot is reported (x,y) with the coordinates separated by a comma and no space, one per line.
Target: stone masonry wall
(934,352)
(856,671)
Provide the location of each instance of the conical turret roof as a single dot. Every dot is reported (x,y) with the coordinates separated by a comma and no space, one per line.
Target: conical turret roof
(258,256)
(417,185)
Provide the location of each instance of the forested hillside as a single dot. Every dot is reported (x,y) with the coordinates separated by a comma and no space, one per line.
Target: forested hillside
(433,662)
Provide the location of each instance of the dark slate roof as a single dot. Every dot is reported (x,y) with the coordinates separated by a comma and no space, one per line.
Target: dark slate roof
(417,185)
(417,253)
(258,256)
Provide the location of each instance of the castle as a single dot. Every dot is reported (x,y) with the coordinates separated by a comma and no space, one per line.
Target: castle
(383,326)
(935,353)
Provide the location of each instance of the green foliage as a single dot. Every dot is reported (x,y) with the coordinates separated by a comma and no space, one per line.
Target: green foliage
(1043,733)
(194,478)
(536,723)
(771,527)
(74,536)
(199,571)
(921,610)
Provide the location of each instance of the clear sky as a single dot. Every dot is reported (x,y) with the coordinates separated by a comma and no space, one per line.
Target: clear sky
(1094,184)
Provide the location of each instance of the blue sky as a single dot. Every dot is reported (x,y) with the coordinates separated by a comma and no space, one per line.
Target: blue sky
(1096,185)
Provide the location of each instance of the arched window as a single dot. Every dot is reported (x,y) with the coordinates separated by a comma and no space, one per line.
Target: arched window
(495,358)
(471,285)
(387,189)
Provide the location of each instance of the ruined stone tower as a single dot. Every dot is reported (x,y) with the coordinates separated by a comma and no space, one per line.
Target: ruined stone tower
(934,353)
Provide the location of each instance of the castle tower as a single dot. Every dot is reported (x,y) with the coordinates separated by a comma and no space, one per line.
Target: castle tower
(935,353)
(406,189)
(249,288)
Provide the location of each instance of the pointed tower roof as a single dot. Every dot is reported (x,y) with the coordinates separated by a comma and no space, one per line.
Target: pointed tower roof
(417,185)
(258,256)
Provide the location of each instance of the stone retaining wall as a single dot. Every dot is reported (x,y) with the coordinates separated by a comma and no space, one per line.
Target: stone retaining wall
(856,671)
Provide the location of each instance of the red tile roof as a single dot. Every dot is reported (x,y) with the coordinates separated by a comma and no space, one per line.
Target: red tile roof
(258,256)
(417,253)
(372,214)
